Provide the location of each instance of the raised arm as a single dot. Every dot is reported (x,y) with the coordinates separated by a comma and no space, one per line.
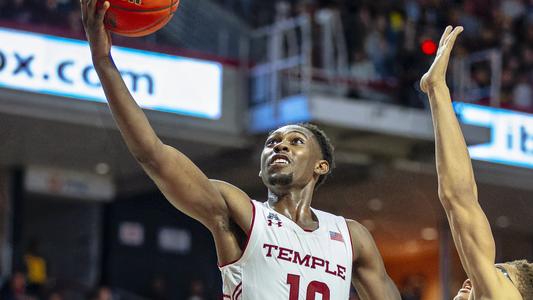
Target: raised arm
(183,184)
(368,272)
(457,187)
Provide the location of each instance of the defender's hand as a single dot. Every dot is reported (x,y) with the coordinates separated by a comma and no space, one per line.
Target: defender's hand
(93,22)
(437,72)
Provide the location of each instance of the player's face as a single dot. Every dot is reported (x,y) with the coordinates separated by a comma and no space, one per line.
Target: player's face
(465,292)
(290,157)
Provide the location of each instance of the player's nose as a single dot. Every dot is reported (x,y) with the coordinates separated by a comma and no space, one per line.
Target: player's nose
(281,147)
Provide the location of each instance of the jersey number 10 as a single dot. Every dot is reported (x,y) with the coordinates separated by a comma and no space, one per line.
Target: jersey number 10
(314,287)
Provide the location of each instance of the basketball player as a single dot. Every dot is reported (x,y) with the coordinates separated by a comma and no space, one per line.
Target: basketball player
(280,249)
(458,194)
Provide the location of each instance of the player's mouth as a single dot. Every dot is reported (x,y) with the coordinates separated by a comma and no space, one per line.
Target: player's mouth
(279,160)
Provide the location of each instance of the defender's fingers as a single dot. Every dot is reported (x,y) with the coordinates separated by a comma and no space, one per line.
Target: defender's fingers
(454,32)
(445,34)
(450,41)
(100,14)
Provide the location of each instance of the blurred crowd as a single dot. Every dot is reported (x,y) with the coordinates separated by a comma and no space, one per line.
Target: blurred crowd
(32,279)
(21,287)
(64,14)
(384,38)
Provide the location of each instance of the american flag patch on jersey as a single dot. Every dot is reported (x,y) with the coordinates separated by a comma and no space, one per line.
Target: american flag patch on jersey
(336,236)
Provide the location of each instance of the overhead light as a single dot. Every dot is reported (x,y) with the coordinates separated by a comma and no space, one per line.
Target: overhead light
(102,168)
(411,246)
(503,221)
(375,204)
(429,233)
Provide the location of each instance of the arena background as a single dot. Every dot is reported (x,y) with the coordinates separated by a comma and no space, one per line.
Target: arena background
(73,199)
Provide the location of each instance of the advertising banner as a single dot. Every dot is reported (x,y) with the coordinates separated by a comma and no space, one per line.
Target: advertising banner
(60,66)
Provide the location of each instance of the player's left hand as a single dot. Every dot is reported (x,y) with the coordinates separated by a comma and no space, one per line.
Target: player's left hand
(437,72)
(92,14)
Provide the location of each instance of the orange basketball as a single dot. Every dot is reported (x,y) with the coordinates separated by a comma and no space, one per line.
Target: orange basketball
(138,17)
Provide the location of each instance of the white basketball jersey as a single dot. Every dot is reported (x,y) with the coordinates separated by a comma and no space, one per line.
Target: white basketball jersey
(281,261)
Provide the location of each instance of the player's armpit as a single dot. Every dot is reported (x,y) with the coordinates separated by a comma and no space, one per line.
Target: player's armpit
(239,204)
(368,273)
(232,232)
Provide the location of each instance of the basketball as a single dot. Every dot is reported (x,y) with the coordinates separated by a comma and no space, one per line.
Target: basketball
(135,18)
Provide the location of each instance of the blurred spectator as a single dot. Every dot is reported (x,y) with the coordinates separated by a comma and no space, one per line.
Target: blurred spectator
(4,12)
(523,93)
(362,69)
(158,289)
(15,288)
(102,293)
(412,287)
(377,47)
(512,8)
(74,21)
(55,295)
(481,81)
(52,12)
(18,11)
(364,73)
(36,269)
(197,291)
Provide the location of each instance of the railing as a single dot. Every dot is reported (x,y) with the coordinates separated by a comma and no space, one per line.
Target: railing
(305,54)
(282,56)
(466,90)
(308,54)
(204,26)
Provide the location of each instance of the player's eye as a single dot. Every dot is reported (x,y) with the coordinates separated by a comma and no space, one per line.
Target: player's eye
(298,141)
(270,142)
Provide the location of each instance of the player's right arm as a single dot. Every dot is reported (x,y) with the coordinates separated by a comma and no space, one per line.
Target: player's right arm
(457,187)
(213,203)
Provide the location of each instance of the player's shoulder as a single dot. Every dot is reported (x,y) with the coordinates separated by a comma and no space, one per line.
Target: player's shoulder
(358,230)
(364,246)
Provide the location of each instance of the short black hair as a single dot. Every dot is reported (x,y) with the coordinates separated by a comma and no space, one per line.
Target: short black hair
(524,277)
(325,146)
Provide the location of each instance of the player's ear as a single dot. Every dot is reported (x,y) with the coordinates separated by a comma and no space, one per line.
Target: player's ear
(260,173)
(322,167)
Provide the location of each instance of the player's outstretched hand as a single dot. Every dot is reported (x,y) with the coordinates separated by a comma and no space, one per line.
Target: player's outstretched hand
(99,38)
(437,72)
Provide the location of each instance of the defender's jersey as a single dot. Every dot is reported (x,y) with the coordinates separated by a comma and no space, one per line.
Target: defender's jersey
(281,261)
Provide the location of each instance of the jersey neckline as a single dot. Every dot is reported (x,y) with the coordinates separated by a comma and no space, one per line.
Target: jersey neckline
(319,229)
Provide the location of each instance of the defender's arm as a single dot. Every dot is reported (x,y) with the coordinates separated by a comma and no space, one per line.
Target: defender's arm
(457,188)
